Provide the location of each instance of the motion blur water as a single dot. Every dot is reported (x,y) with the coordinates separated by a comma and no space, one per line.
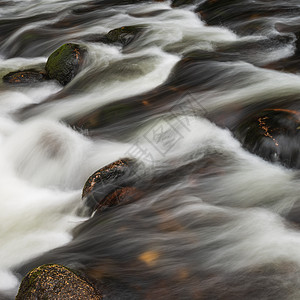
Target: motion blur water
(215,221)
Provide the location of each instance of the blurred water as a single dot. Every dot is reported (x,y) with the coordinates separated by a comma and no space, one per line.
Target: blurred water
(213,222)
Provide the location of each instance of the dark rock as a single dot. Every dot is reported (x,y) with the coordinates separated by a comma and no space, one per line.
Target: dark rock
(124,35)
(101,188)
(25,77)
(65,63)
(56,282)
(273,134)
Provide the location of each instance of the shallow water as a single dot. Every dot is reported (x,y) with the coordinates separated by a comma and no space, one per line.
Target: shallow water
(215,221)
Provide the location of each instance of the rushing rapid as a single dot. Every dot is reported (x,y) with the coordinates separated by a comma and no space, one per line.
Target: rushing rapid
(217,219)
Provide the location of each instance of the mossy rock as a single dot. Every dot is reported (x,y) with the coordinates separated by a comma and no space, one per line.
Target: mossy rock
(100,187)
(25,77)
(65,63)
(56,282)
(124,35)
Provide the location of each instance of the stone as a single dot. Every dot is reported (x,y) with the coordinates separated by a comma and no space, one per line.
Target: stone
(65,63)
(106,181)
(123,35)
(118,197)
(25,77)
(56,282)
(273,134)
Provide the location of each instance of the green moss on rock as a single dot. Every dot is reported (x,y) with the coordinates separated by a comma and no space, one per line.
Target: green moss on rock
(65,62)
(56,282)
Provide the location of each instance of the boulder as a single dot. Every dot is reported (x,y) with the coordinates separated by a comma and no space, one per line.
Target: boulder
(25,77)
(56,282)
(65,63)
(272,134)
(106,184)
(124,35)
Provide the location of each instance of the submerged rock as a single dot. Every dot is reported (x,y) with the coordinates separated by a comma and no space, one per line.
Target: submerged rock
(56,282)
(123,35)
(25,77)
(104,187)
(273,134)
(118,197)
(65,63)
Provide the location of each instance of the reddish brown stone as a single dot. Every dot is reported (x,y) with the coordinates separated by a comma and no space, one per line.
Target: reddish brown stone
(106,174)
(120,196)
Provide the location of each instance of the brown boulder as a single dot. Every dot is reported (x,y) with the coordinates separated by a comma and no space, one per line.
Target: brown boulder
(56,282)
(101,185)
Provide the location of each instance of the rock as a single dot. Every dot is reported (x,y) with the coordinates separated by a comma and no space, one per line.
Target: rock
(124,35)
(25,77)
(120,196)
(100,187)
(121,36)
(65,63)
(272,134)
(56,282)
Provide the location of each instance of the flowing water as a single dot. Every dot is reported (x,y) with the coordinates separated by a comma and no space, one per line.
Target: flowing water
(214,221)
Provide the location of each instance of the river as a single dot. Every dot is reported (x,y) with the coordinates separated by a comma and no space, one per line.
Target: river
(216,220)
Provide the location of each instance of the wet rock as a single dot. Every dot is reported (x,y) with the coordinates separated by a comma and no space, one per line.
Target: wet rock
(65,63)
(25,77)
(124,35)
(56,282)
(109,180)
(273,134)
(120,196)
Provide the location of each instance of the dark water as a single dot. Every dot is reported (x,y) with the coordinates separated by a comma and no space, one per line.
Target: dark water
(205,98)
